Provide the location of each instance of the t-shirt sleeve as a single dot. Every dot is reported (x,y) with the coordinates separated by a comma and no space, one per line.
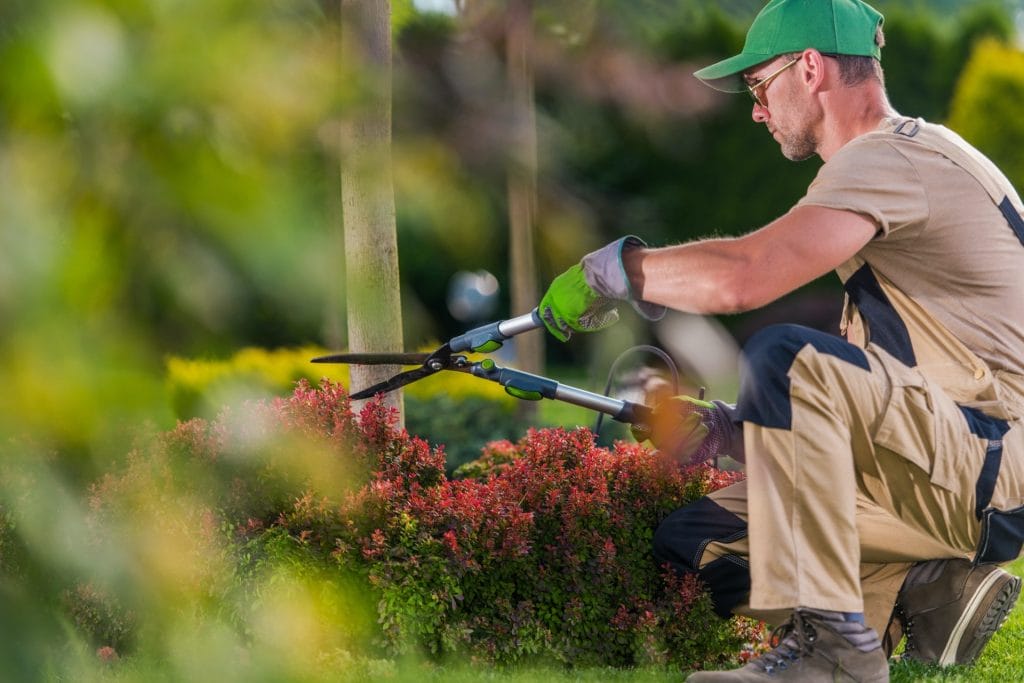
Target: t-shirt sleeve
(871,177)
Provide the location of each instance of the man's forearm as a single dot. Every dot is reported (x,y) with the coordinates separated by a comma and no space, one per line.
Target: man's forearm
(706,277)
(729,275)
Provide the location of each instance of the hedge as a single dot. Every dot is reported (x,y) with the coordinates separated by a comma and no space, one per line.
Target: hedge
(354,532)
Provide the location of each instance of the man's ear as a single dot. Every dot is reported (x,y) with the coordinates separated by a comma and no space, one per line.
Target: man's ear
(814,70)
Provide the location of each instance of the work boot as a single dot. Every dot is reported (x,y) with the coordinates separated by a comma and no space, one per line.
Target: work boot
(813,647)
(949,609)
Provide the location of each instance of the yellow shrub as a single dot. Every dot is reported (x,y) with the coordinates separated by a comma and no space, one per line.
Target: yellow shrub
(987,106)
(201,386)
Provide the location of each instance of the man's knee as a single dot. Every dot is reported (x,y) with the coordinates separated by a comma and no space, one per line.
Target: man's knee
(765,364)
(680,542)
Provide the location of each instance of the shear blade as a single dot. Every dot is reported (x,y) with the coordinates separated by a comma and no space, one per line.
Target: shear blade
(374,358)
(396,382)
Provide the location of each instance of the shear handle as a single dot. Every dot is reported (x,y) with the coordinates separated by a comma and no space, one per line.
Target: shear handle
(535,387)
(488,338)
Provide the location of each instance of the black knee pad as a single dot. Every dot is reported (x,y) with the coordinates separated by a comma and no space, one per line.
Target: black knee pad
(680,541)
(764,370)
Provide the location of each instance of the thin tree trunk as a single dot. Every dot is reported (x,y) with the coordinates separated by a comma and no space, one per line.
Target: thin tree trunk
(367,191)
(522,182)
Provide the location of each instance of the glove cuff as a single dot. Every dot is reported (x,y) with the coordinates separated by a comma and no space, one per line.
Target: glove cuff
(731,430)
(606,275)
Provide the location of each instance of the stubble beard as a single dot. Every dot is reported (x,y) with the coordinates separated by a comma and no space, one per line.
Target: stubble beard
(798,145)
(797,140)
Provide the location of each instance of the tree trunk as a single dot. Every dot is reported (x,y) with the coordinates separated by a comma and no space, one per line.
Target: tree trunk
(367,194)
(522,183)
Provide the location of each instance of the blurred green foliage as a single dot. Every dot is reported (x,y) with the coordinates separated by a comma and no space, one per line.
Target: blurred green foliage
(162,182)
(169,188)
(630,143)
(987,107)
(169,174)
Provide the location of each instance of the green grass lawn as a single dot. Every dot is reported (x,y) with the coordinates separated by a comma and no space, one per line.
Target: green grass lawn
(1002,662)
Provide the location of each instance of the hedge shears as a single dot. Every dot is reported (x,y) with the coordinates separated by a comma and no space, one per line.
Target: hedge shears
(487,339)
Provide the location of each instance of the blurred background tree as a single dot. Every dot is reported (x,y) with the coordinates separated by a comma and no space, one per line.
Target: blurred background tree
(368,194)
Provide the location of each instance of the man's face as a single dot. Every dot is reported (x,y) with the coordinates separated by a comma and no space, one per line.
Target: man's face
(782,106)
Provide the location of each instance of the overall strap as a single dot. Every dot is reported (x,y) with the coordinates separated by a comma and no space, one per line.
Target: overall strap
(1002,531)
(957,150)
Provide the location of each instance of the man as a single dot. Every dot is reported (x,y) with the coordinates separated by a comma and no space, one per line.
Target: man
(892,458)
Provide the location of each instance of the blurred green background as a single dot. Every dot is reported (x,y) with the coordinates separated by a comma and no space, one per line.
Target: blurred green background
(169,184)
(169,180)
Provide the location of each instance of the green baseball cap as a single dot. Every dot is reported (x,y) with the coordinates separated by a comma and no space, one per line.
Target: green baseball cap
(838,27)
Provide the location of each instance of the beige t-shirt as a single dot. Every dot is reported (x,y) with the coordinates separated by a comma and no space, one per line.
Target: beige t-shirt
(942,239)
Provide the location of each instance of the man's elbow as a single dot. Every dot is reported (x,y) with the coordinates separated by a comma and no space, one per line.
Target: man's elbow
(740,294)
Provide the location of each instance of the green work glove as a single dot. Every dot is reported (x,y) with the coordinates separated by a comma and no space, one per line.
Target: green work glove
(690,430)
(584,298)
(571,304)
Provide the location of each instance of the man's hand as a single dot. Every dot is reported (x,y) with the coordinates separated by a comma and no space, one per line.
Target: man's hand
(570,304)
(690,430)
(584,298)
(678,428)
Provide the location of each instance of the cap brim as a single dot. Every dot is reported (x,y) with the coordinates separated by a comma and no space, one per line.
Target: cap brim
(727,75)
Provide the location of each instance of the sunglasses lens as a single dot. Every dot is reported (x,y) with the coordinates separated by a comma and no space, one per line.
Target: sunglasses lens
(757,89)
(754,95)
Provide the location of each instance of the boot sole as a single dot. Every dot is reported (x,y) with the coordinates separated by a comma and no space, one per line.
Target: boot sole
(994,617)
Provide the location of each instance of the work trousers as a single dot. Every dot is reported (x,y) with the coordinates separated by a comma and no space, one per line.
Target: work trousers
(857,466)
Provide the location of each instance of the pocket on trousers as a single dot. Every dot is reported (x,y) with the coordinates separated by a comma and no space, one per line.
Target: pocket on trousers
(1002,536)
(914,425)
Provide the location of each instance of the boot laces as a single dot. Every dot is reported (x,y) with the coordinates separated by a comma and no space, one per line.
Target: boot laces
(908,629)
(790,641)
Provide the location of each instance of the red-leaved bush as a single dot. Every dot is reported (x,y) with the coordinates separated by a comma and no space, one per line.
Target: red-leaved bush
(545,553)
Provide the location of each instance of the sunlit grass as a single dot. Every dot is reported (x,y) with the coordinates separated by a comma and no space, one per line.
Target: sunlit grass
(1001,662)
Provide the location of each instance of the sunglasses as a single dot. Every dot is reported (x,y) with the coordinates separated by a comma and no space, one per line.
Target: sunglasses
(757,90)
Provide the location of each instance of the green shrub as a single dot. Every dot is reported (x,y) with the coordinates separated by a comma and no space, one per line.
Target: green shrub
(8,544)
(463,425)
(496,457)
